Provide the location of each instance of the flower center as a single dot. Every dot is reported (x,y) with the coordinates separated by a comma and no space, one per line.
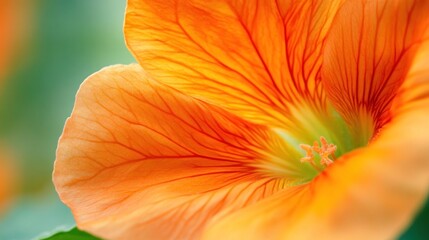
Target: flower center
(324,152)
(324,125)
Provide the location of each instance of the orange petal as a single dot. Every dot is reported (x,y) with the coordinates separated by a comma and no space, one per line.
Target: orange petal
(415,88)
(367,55)
(256,59)
(268,219)
(140,160)
(370,193)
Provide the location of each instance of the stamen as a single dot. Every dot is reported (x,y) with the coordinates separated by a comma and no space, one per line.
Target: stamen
(324,142)
(308,152)
(325,151)
(309,156)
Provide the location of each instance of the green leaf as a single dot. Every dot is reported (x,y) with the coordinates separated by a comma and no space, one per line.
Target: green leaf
(72,234)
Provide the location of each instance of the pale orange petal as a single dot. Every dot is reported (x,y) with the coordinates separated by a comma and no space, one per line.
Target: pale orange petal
(140,160)
(367,55)
(254,58)
(268,219)
(371,193)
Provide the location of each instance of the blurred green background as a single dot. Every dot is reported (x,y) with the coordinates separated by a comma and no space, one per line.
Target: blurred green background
(68,40)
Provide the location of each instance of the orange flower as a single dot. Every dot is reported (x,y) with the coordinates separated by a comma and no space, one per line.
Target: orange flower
(254,120)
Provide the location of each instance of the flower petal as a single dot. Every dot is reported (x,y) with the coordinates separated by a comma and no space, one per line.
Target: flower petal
(415,88)
(367,55)
(372,193)
(138,159)
(268,219)
(254,58)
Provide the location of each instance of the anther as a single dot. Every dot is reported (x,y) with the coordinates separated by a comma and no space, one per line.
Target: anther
(309,156)
(325,151)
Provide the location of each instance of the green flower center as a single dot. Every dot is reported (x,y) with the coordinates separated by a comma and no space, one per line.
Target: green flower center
(317,140)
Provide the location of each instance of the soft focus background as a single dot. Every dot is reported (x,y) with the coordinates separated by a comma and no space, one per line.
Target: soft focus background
(66,41)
